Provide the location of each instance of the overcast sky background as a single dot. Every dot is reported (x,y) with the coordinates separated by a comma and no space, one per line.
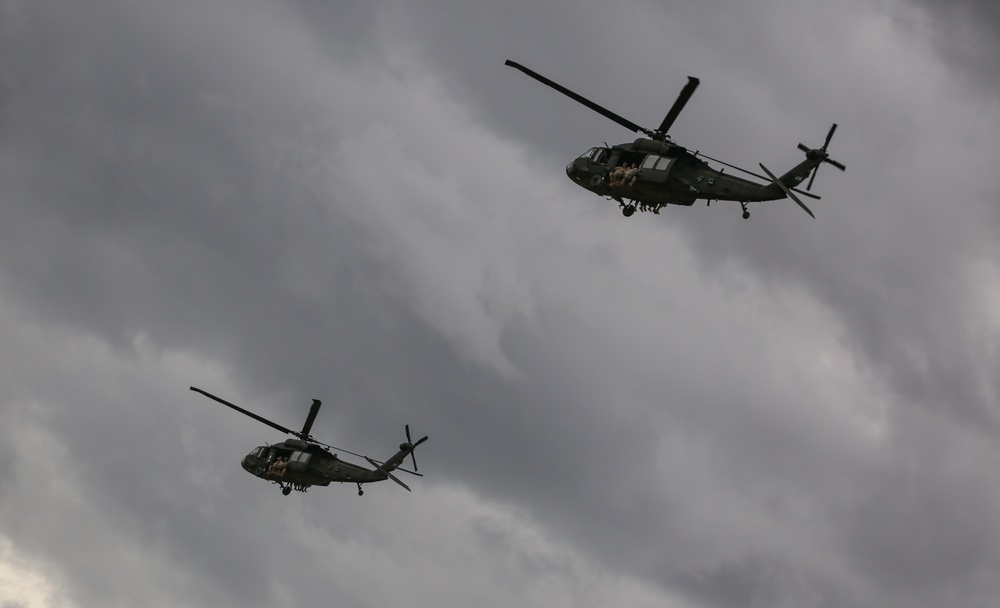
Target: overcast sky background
(357,202)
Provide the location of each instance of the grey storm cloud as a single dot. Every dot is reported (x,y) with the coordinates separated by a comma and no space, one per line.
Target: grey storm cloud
(360,203)
(965,32)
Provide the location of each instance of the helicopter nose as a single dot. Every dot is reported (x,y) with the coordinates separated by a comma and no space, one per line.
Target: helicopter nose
(576,173)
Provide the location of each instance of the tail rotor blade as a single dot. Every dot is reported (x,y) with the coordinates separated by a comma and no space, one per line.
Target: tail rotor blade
(829,136)
(812,177)
(821,153)
(413,446)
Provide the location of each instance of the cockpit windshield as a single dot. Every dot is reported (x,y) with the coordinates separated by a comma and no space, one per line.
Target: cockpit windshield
(597,155)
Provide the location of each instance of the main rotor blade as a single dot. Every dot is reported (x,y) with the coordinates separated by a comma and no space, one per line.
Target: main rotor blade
(682,99)
(310,418)
(804,193)
(787,191)
(273,425)
(628,124)
(377,461)
(382,470)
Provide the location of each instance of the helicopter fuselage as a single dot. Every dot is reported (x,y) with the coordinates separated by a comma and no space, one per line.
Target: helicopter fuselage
(296,464)
(653,171)
(668,174)
(303,464)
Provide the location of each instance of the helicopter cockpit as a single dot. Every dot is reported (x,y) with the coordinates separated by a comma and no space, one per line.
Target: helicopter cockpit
(259,459)
(597,156)
(591,162)
(253,461)
(271,461)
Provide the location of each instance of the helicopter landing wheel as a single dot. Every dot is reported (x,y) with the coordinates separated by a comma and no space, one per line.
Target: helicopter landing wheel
(746,214)
(628,210)
(286,490)
(360,491)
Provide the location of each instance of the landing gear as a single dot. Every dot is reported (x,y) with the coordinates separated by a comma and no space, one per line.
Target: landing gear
(746,214)
(286,490)
(627,210)
(360,491)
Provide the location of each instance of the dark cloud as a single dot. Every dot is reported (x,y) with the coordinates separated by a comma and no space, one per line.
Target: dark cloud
(746,584)
(361,204)
(966,33)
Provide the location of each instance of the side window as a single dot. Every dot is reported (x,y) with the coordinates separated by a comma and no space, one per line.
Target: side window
(649,161)
(663,164)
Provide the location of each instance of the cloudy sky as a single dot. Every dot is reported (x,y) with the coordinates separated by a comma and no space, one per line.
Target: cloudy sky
(357,202)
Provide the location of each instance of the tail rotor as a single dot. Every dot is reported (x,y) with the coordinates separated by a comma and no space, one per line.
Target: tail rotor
(413,446)
(821,153)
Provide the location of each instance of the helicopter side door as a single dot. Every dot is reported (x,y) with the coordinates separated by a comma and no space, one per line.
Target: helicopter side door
(655,169)
(298,462)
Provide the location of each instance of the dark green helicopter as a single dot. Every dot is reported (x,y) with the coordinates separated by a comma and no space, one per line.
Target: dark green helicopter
(296,464)
(653,171)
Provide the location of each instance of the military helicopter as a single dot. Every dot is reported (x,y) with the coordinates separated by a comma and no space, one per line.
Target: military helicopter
(302,462)
(653,171)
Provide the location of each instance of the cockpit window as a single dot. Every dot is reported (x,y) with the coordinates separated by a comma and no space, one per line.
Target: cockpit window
(600,155)
(589,153)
